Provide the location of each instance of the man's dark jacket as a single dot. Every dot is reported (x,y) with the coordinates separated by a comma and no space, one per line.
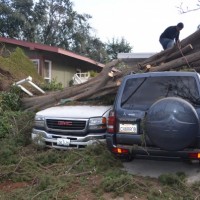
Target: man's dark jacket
(171,33)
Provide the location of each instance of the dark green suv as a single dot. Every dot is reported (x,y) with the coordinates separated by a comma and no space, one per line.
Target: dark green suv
(156,114)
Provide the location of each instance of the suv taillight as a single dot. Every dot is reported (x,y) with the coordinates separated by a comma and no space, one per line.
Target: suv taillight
(120,150)
(111,122)
(194,155)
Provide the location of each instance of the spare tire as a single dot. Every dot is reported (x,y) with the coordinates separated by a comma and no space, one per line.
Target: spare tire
(172,124)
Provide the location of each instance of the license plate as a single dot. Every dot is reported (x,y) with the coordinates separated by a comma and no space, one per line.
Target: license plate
(128,128)
(63,142)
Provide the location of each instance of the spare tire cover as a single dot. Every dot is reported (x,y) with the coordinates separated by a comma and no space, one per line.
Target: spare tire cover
(172,123)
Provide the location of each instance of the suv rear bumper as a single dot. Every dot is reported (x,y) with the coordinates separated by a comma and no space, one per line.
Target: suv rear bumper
(136,150)
(43,138)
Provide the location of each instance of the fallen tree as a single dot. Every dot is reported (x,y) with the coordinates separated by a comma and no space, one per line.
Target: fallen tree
(185,55)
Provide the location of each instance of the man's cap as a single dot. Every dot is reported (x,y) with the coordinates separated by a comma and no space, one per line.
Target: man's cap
(180,25)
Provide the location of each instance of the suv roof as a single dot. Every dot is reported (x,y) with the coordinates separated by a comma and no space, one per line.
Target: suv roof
(164,73)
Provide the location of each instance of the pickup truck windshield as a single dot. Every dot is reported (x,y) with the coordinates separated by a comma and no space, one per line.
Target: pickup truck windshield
(141,93)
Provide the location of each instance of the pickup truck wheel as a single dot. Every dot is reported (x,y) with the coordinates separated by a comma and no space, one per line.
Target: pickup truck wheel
(172,124)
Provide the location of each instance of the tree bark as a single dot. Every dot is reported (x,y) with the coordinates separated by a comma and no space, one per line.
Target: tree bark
(172,56)
(177,63)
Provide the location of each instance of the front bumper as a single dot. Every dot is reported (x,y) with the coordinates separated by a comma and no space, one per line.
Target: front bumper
(43,138)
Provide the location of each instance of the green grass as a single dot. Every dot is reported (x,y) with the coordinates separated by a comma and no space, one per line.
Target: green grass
(54,174)
(19,66)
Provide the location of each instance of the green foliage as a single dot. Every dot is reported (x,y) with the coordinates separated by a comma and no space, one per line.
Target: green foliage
(71,83)
(117,182)
(44,182)
(49,173)
(52,174)
(93,73)
(8,153)
(49,22)
(49,157)
(172,180)
(16,124)
(19,66)
(156,194)
(94,48)
(52,86)
(55,23)
(102,158)
(177,182)
(10,101)
(196,185)
(117,46)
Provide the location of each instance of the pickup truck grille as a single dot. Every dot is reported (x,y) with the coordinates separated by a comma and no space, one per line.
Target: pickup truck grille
(65,124)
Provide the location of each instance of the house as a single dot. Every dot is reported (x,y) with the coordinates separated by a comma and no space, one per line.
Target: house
(55,63)
(132,59)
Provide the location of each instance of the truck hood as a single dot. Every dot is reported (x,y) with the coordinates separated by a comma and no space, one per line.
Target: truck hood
(82,111)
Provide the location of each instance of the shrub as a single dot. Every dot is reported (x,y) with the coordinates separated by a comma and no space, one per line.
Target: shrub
(93,73)
(10,100)
(52,86)
(173,180)
(8,153)
(16,124)
(119,183)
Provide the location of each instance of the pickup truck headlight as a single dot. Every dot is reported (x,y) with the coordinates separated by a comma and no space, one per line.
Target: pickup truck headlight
(97,123)
(39,121)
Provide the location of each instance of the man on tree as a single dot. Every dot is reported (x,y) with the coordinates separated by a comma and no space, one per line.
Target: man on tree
(170,36)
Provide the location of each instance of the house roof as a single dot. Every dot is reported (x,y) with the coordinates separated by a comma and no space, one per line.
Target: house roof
(35,46)
(135,55)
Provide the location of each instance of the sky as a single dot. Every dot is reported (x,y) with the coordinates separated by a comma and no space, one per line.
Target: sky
(139,22)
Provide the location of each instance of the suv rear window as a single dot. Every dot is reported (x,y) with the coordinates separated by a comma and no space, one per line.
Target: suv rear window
(141,93)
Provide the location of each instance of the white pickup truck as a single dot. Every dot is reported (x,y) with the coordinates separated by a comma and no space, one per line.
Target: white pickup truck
(65,127)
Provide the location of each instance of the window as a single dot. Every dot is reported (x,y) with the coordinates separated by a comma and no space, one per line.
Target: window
(143,92)
(36,63)
(47,70)
(78,72)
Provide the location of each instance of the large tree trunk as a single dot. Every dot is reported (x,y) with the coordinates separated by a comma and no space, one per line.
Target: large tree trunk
(97,86)
(184,55)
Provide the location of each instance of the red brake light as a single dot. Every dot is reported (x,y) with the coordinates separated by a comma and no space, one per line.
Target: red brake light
(120,150)
(194,155)
(111,122)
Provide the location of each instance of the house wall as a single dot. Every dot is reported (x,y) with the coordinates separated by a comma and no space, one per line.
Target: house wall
(63,67)
(62,70)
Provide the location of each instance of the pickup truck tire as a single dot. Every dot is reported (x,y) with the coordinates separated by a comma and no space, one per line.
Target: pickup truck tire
(172,124)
